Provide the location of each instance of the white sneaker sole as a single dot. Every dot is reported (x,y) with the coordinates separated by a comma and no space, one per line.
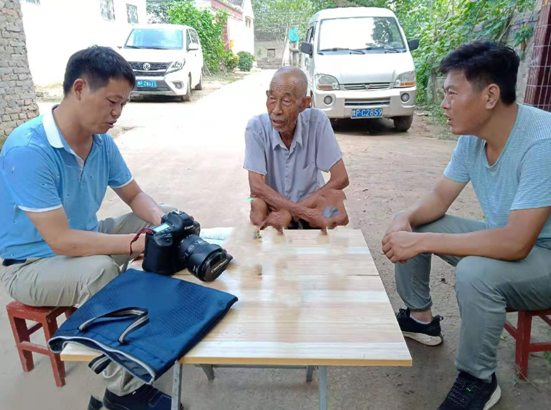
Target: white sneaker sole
(424,339)
(494,399)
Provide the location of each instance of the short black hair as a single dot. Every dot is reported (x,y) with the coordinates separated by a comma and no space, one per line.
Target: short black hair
(485,63)
(98,65)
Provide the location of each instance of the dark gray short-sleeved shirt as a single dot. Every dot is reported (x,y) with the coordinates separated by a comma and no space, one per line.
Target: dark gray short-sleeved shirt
(294,173)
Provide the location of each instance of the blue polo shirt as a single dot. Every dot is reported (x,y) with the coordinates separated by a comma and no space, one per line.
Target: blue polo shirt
(40,172)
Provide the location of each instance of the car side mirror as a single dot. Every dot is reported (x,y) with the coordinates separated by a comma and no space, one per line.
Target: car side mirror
(307,48)
(413,44)
(193,47)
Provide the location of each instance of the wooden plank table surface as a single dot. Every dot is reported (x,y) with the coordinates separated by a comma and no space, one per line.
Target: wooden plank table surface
(304,299)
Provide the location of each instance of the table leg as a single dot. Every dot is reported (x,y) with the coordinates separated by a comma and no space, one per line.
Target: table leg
(209,371)
(177,387)
(322,374)
(309,373)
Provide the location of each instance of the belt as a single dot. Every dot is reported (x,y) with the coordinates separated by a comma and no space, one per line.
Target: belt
(9,262)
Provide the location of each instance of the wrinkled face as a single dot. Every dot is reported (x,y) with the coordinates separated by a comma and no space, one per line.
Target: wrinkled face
(99,110)
(283,103)
(466,107)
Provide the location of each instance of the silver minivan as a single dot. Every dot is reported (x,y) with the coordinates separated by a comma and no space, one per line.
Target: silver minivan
(359,65)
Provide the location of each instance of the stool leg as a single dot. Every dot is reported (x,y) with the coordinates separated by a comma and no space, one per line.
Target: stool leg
(50,327)
(69,312)
(523,344)
(21,334)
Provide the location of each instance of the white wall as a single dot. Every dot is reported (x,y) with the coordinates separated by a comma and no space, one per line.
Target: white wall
(56,29)
(242,36)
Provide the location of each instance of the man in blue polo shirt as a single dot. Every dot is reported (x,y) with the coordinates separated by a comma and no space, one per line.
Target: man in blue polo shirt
(54,172)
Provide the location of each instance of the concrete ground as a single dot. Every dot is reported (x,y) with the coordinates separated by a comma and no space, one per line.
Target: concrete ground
(190,155)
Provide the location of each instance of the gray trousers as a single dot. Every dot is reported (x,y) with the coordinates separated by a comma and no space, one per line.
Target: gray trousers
(71,281)
(484,288)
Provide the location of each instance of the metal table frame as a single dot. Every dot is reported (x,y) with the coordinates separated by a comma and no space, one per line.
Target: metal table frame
(209,371)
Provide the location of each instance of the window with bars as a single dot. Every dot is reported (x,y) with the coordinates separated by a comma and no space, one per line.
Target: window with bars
(132,13)
(107,9)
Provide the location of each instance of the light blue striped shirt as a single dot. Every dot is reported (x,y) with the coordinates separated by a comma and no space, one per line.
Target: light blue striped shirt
(521,176)
(293,172)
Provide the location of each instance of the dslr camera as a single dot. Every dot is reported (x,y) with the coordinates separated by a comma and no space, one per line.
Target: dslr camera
(175,245)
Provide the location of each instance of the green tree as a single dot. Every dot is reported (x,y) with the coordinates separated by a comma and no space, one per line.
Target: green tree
(209,27)
(274,18)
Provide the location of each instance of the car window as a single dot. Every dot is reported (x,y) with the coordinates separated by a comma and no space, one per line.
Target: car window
(188,38)
(361,33)
(195,37)
(310,35)
(151,38)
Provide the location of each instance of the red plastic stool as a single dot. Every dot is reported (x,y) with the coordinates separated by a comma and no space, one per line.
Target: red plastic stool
(45,317)
(521,333)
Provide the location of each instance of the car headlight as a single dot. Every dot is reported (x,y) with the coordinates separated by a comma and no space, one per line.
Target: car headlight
(406,79)
(326,82)
(176,66)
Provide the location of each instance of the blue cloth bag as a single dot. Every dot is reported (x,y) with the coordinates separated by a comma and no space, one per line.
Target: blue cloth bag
(144,322)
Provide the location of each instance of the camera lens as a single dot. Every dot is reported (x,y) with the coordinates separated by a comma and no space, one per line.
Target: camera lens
(204,260)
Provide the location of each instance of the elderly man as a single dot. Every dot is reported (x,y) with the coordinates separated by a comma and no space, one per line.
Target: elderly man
(285,151)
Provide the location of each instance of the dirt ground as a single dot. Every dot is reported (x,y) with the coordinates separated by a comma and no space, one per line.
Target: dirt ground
(389,172)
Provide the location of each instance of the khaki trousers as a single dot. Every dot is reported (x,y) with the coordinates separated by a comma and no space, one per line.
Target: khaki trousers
(71,281)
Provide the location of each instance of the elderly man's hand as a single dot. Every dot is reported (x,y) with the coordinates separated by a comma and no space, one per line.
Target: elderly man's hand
(401,246)
(316,219)
(318,203)
(278,220)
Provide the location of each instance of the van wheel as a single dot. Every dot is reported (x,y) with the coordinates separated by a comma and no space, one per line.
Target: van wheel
(402,124)
(200,85)
(187,95)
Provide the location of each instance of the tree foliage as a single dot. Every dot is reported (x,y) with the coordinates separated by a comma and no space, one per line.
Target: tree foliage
(274,18)
(440,25)
(210,28)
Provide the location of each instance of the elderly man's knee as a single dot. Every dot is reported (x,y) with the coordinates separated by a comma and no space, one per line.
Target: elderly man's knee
(259,205)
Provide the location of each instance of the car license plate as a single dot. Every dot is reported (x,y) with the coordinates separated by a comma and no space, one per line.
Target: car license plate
(147,84)
(367,113)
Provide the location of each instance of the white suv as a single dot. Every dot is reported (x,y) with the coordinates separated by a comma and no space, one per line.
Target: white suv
(167,60)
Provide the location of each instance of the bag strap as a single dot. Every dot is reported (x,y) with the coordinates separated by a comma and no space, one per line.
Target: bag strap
(99,364)
(142,319)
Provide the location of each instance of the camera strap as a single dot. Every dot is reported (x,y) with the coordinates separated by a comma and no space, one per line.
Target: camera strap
(130,255)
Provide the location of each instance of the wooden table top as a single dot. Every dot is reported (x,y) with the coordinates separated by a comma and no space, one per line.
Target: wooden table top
(304,299)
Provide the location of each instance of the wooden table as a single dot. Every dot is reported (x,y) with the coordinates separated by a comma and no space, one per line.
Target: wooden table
(305,299)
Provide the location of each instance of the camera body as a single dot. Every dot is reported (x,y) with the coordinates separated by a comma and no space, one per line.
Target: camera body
(161,247)
(175,245)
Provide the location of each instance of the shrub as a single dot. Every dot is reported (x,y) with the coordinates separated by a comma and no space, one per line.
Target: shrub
(245,61)
(230,61)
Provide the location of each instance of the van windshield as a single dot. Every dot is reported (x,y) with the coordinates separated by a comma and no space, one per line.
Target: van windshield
(360,35)
(158,39)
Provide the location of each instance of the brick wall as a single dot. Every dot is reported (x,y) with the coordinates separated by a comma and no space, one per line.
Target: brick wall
(17,94)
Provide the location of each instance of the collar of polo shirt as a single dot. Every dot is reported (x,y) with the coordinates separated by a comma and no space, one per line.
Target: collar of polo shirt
(53,135)
(297,139)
